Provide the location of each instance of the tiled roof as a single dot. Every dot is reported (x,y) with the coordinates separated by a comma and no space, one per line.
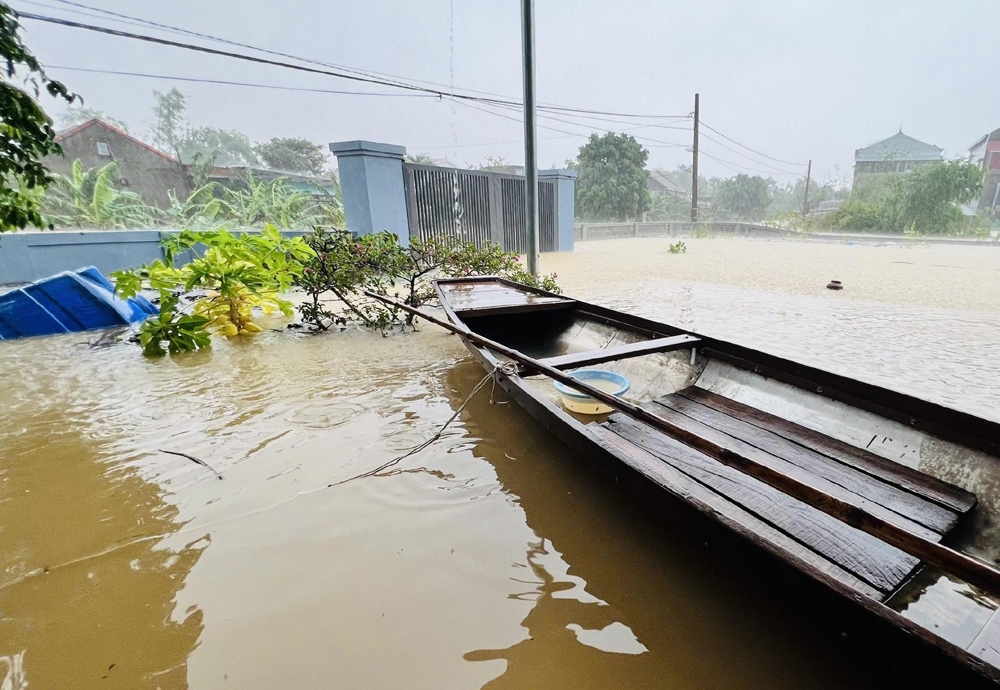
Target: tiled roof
(62,136)
(899,147)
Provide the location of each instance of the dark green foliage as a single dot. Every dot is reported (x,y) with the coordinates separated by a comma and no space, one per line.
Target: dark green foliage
(744,197)
(925,201)
(26,133)
(612,178)
(343,266)
(678,248)
(292,155)
(181,332)
(225,146)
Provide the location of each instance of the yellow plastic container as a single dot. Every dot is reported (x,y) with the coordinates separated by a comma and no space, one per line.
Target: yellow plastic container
(575,401)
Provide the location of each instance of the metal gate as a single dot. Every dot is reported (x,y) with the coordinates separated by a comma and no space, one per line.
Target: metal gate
(475,206)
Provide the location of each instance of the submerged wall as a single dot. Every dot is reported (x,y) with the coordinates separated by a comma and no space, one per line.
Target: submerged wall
(30,256)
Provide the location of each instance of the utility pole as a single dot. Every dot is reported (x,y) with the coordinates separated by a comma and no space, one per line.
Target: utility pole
(694,166)
(805,198)
(530,136)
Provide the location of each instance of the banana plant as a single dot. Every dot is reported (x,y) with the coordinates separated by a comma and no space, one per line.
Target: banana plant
(88,198)
(200,208)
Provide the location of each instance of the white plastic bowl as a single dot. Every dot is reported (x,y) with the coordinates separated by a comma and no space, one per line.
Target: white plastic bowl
(578,402)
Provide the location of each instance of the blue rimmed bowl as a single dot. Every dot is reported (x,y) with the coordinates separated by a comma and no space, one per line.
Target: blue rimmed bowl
(581,403)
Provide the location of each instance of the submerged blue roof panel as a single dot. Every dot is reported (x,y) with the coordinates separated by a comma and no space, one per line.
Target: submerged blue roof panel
(70,301)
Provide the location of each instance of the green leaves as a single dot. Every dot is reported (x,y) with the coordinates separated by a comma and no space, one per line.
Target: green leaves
(239,273)
(743,196)
(925,201)
(26,133)
(89,198)
(342,266)
(180,332)
(612,178)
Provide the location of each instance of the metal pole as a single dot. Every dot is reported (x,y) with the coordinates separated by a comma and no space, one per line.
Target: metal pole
(530,137)
(694,166)
(805,198)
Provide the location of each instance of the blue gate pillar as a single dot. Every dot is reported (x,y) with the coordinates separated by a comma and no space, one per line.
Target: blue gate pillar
(371,183)
(565,181)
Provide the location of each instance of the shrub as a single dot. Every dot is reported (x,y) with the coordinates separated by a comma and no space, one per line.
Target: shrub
(343,266)
(239,273)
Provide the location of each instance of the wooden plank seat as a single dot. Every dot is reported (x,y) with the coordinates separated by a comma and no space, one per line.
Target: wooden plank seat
(576,360)
(905,497)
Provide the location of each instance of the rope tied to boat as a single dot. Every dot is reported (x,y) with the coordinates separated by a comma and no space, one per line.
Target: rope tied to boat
(507,368)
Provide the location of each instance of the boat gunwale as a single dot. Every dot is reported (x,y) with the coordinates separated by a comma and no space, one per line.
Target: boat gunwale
(581,438)
(961,428)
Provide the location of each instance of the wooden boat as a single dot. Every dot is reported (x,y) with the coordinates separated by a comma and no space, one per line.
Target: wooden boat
(911,466)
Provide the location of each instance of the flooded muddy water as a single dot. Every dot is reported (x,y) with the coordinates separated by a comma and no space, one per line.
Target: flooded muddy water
(490,559)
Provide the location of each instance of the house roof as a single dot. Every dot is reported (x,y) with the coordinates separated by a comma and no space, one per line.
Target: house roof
(899,147)
(229,171)
(665,181)
(62,136)
(991,136)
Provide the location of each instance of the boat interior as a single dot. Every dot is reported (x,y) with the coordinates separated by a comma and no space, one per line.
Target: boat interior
(917,465)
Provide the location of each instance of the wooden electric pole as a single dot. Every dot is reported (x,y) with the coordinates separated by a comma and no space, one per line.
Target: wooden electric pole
(694,166)
(805,197)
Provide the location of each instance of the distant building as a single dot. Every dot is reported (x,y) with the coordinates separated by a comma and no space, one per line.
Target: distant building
(141,168)
(661,183)
(893,156)
(986,153)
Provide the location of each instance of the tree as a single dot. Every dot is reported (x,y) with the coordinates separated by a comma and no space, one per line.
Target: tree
(26,133)
(419,158)
(77,115)
(934,194)
(612,178)
(293,155)
(743,196)
(225,146)
(169,120)
(927,200)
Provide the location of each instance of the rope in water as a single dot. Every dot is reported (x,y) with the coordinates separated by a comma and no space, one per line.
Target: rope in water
(507,368)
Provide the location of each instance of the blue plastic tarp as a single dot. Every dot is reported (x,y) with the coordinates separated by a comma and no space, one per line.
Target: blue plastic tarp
(72,301)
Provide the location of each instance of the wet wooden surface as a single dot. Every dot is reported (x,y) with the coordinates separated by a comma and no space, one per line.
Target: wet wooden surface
(841,548)
(483,297)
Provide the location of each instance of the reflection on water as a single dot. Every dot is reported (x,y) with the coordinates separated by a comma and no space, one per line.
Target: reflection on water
(87,590)
(564,647)
(492,558)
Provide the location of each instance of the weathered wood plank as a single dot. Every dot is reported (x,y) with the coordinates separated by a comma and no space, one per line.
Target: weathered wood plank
(728,513)
(987,643)
(909,506)
(619,352)
(948,495)
(870,559)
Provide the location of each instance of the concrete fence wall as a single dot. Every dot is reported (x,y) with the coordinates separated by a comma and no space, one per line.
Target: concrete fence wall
(30,256)
(608,231)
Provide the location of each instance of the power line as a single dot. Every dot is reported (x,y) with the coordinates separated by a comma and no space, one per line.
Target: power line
(224,82)
(658,143)
(240,56)
(394,79)
(730,164)
(777,160)
(239,83)
(743,155)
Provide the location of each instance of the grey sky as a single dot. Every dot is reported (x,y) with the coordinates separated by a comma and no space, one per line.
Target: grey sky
(795,80)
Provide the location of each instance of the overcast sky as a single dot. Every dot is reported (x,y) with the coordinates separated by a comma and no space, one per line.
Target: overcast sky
(794,80)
